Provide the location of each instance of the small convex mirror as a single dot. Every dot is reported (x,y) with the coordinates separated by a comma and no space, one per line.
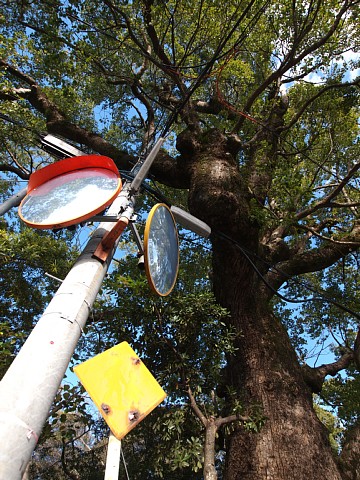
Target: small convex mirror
(161,250)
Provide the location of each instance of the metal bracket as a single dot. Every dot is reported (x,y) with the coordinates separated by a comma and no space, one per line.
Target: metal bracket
(59,148)
(103,218)
(143,169)
(111,236)
(138,240)
(126,213)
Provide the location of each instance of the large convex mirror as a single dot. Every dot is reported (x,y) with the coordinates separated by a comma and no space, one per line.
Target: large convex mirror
(161,250)
(70,191)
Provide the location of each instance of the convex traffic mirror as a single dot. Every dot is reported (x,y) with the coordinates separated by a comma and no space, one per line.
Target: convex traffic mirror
(70,191)
(161,250)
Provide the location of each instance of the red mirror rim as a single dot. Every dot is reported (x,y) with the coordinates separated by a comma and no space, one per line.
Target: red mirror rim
(68,165)
(41,176)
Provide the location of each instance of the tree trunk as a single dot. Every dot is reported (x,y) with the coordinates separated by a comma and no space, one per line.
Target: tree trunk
(292,444)
(209,450)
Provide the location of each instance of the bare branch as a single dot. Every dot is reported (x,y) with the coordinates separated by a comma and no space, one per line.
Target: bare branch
(315,377)
(196,408)
(291,59)
(194,33)
(335,367)
(4,167)
(312,99)
(315,232)
(158,48)
(16,73)
(314,260)
(168,170)
(150,125)
(221,421)
(326,201)
(17,163)
(164,64)
(58,123)
(343,205)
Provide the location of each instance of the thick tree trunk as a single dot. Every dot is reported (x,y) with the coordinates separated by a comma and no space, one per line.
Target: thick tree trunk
(292,444)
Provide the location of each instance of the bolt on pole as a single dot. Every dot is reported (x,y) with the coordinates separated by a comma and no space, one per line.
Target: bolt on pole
(30,385)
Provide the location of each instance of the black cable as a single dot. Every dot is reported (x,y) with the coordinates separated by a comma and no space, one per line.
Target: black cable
(322,298)
(199,79)
(172,118)
(155,193)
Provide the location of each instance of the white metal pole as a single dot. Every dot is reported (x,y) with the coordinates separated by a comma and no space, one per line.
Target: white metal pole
(13,201)
(32,381)
(29,387)
(113,458)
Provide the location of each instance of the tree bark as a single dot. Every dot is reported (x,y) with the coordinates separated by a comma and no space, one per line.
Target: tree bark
(209,450)
(292,444)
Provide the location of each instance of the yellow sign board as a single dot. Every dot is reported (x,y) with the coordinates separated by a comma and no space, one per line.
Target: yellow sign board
(121,387)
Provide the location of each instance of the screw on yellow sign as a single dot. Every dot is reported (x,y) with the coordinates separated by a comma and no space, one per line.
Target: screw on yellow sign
(121,387)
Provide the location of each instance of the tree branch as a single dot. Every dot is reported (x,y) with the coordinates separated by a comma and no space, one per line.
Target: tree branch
(326,201)
(221,421)
(18,171)
(313,260)
(315,377)
(17,163)
(291,60)
(316,232)
(312,99)
(57,122)
(165,64)
(168,170)
(150,126)
(196,408)
(158,48)
(211,425)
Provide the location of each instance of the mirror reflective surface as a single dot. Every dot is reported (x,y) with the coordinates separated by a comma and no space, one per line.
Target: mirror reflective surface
(161,250)
(69,198)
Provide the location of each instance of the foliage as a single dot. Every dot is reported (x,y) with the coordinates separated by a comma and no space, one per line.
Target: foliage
(74,451)
(332,424)
(183,339)
(25,257)
(343,393)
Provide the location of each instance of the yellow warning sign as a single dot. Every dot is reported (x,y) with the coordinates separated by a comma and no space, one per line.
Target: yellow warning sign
(121,386)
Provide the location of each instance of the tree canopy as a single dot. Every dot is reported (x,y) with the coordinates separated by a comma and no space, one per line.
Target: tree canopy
(258,103)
